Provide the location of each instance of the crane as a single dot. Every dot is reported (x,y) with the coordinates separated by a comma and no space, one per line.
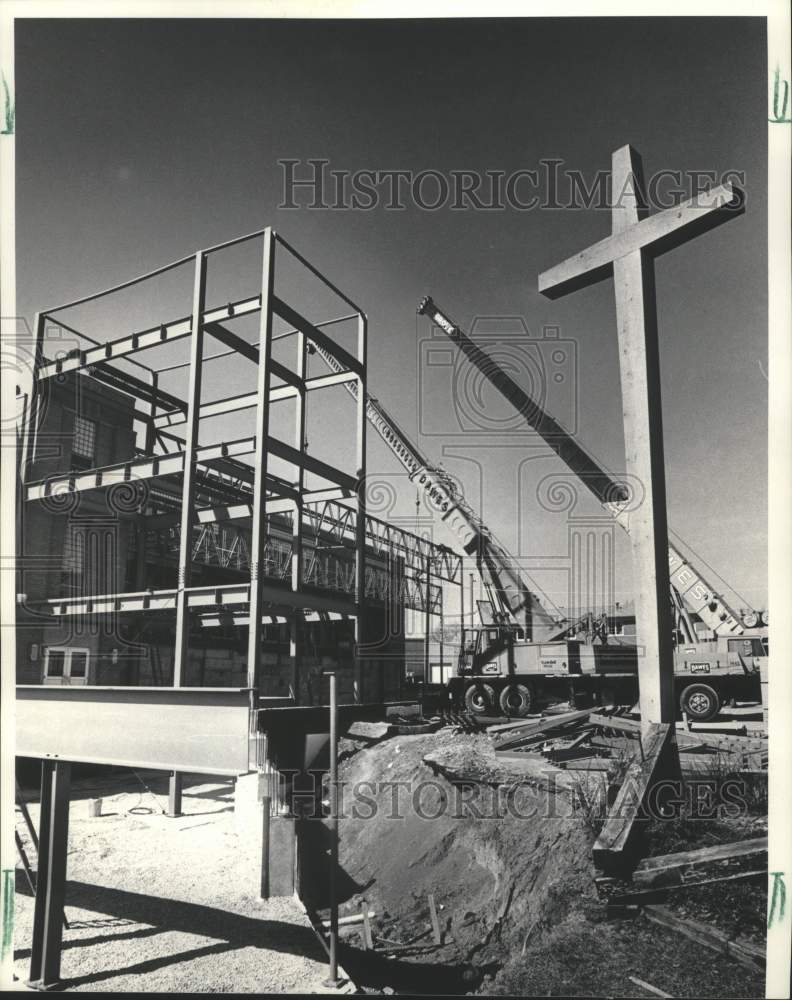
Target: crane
(512,599)
(689,585)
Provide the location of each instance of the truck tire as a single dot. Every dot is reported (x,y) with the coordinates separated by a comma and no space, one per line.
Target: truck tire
(700,701)
(480,698)
(516,700)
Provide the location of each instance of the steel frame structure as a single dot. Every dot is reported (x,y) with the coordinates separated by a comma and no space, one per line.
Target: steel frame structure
(217,487)
(192,486)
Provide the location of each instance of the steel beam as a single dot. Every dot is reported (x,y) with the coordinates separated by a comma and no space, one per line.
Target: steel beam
(188,480)
(247,401)
(227,595)
(259,525)
(173,464)
(202,730)
(151,337)
(295,621)
(290,315)
(45,951)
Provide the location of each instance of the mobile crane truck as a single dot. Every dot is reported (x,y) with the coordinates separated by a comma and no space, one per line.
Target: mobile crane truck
(707,674)
(522,654)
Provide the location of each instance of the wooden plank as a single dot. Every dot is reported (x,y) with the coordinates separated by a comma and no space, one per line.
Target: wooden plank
(654,990)
(690,867)
(614,849)
(437,934)
(537,728)
(621,892)
(368,942)
(503,727)
(596,262)
(741,950)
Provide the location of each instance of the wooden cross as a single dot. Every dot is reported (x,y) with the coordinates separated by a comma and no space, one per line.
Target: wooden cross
(628,256)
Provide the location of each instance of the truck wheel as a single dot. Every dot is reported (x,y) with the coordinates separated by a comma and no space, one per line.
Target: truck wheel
(480,698)
(516,699)
(700,701)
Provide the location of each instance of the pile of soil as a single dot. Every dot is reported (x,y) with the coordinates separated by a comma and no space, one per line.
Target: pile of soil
(506,854)
(499,860)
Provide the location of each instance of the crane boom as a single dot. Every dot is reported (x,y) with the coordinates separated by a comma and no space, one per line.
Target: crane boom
(693,588)
(515,600)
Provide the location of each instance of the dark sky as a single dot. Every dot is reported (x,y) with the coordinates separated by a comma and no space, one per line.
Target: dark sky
(140,142)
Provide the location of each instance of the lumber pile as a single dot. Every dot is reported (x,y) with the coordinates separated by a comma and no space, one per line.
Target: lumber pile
(591,740)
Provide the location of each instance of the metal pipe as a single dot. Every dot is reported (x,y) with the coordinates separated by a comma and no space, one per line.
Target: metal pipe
(317,273)
(333,980)
(124,284)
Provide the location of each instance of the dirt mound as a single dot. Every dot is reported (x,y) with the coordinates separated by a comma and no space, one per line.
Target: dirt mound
(502,860)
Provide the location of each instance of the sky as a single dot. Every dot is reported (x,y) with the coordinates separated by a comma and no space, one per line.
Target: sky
(140,142)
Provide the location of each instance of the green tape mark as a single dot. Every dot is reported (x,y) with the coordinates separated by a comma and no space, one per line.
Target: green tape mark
(780,100)
(8,911)
(9,110)
(777,899)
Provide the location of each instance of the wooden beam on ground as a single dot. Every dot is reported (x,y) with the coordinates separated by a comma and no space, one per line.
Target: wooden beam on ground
(615,848)
(741,950)
(620,892)
(517,736)
(690,867)
(436,931)
(654,990)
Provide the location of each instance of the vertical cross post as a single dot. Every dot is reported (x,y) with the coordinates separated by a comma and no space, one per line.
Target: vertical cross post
(258,539)
(45,952)
(627,255)
(636,320)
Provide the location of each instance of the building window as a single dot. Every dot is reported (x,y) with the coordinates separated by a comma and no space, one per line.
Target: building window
(83,443)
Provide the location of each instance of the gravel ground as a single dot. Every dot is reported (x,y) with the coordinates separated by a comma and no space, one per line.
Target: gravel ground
(168,905)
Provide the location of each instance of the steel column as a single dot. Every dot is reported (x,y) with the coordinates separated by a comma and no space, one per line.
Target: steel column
(188,482)
(30,433)
(259,527)
(295,619)
(151,426)
(45,952)
(360,523)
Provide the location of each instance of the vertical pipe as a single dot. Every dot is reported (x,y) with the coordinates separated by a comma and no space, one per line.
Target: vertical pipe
(333,977)
(175,794)
(470,575)
(427,619)
(188,478)
(442,624)
(360,523)
(461,602)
